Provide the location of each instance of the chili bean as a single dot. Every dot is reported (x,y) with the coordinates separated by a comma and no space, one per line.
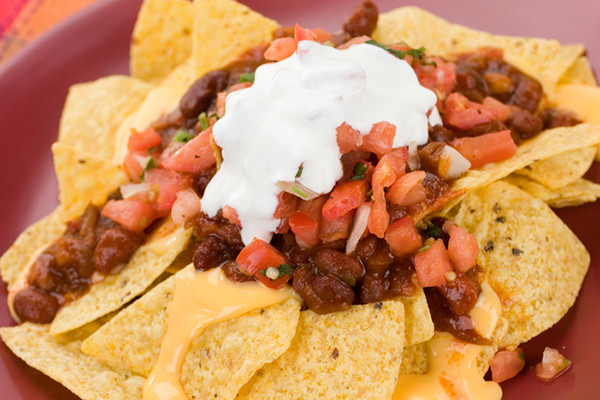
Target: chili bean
(439,133)
(524,123)
(430,155)
(461,293)
(554,118)
(362,20)
(41,274)
(331,295)
(232,271)
(72,252)
(32,305)
(209,253)
(115,247)
(487,127)
(200,181)
(528,92)
(371,288)
(201,94)
(338,264)
(401,282)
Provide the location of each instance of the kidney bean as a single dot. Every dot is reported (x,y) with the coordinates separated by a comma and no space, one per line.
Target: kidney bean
(209,253)
(35,306)
(200,181)
(41,274)
(231,270)
(400,277)
(338,264)
(524,123)
(372,288)
(362,20)
(201,94)
(461,293)
(115,247)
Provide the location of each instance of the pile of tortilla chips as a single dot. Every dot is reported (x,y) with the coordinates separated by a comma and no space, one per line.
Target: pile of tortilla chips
(104,344)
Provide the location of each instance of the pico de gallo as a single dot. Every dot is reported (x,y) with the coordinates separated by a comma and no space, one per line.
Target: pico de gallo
(365,241)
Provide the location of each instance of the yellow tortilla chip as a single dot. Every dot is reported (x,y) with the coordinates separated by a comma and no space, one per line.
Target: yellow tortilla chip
(83,179)
(162,38)
(16,258)
(62,360)
(219,362)
(543,146)
(144,267)
(543,59)
(579,192)
(417,319)
(528,253)
(224,30)
(562,169)
(343,355)
(580,72)
(94,110)
(414,359)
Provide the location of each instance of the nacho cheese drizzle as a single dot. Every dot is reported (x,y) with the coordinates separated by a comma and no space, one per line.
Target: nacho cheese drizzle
(453,371)
(288,118)
(200,299)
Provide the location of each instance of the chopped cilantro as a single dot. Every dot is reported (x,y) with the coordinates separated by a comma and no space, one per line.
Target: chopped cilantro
(182,136)
(203,121)
(284,269)
(434,232)
(152,149)
(360,171)
(214,115)
(521,356)
(422,249)
(300,168)
(149,165)
(300,192)
(416,53)
(247,77)
(369,194)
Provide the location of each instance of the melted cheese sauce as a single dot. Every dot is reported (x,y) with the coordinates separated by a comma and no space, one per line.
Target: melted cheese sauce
(453,373)
(288,118)
(200,299)
(583,99)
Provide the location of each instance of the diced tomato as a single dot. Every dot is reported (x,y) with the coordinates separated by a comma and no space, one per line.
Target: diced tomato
(379,219)
(500,110)
(322,35)
(231,214)
(344,198)
(506,364)
(186,206)
(280,49)
(143,140)
(305,228)
(133,165)
(258,256)
(485,149)
(462,249)
(353,41)
(285,207)
(552,366)
(380,139)
(465,114)
(239,86)
(431,265)
(403,237)
(399,191)
(339,228)
(195,156)
(313,208)
(303,34)
(348,138)
(169,183)
(135,215)
(439,77)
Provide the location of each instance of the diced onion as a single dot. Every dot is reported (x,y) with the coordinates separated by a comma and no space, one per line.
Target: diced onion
(298,189)
(361,218)
(413,156)
(452,164)
(185,206)
(131,189)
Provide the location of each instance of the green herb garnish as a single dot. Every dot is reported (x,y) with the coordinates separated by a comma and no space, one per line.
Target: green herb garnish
(203,121)
(247,77)
(299,192)
(369,194)
(360,170)
(416,53)
(283,269)
(182,136)
(149,165)
(300,169)
(434,231)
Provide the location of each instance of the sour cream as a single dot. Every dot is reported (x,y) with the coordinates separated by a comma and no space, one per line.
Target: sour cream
(288,118)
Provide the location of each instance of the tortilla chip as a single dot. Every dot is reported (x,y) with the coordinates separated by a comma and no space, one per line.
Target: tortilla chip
(144,267)
(94,110)
(85,376)
(544,59)
(579,192)
(543,146)
(417,319)
(528,253)
(562,169)
(16,258)
(414,359)
(162,38)
(219,362)
(580,72)
(224,30)
(343,355)
(83,179)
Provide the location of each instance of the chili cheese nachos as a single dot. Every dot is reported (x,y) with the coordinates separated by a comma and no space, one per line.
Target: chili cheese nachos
(281,212)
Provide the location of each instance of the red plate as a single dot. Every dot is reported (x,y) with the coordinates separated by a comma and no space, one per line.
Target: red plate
(95,43)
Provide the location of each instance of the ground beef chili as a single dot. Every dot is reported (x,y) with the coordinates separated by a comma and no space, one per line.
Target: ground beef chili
(325,276)
(92,244)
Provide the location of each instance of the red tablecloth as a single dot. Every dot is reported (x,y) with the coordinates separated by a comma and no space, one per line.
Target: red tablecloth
(21,21)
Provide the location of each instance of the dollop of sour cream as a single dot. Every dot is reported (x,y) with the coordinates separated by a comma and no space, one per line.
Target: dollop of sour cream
(288,118)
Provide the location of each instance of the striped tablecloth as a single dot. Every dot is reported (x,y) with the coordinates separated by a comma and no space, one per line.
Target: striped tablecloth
(21,21)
